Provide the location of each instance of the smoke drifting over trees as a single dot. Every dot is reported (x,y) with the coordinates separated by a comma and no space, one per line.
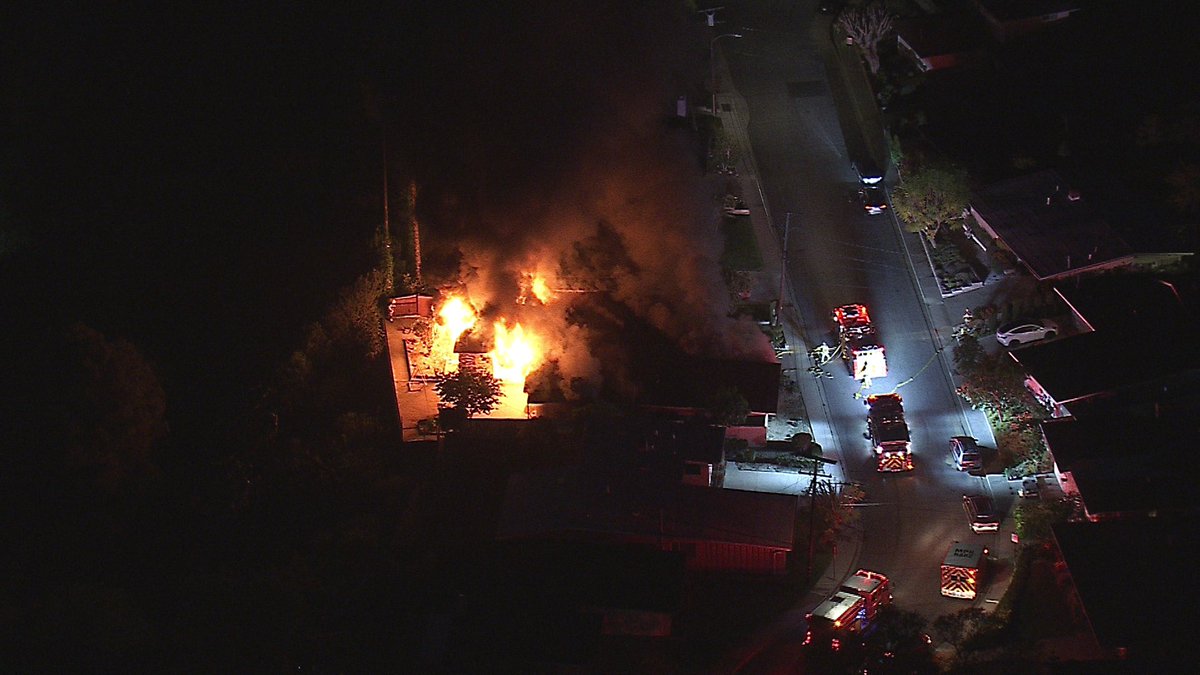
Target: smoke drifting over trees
(547,145)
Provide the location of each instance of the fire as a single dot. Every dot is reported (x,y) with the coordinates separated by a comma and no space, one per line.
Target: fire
(455,317)
(535,285)
(515,353)
(540,290)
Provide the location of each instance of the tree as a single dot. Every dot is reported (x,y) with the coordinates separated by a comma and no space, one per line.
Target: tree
(468,391)
(931,198)
(899,644)
(728,407)
(1184,183)
(104,410)
(996,384)
(957,628)
(867,26)
(1033,518)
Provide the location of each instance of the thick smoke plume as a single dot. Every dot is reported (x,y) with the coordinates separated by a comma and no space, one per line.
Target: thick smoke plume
(558,156)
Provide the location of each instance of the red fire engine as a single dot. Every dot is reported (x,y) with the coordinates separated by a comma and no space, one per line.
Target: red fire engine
(889,432)
(860,344)
(850,611)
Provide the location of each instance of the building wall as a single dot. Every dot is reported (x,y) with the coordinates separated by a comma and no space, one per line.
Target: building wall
(727,557)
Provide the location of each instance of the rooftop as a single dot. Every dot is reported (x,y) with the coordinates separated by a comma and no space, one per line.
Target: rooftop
(1138,485)
(938,34)
(1105,363)
(1078,440)
(560,501)
(691,382)
(965,554)
(1127,303)
(1131,577)
(1017,10)
(1055,229)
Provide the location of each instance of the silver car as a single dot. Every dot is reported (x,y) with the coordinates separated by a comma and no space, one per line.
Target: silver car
(965,451)
(1024,331)
(981,513)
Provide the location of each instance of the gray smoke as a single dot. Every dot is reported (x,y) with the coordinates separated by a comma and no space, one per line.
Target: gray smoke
(561,158)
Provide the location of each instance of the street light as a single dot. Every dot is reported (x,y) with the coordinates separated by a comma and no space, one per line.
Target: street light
(713,65)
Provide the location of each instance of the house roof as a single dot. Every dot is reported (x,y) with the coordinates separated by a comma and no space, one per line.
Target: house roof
(940,34)
(1142,336)
(1104,363)
(1075,441)
(1133,580)
(1138,484)
(1127,304)
(687,440)
(1019,10)
(561,501)
(575,574)
(529,604)
(1053,229)
(691,383)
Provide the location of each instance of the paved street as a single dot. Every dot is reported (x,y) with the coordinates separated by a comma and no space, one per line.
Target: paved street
(784,94)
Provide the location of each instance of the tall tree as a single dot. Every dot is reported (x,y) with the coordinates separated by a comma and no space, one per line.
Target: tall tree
(469,391)
(957,628)
(94,410)
(867,26)
(932,198)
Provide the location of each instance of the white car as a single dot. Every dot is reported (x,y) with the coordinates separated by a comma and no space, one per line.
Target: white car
(1022,332)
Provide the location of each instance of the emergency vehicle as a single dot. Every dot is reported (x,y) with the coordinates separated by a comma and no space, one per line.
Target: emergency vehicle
(962,571)
(888,433)
(860,344)
(850,611)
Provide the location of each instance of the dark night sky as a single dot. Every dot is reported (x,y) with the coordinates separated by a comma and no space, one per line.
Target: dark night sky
(201,180)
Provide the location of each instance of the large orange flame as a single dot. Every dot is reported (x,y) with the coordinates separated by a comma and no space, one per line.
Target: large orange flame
(515,353)
(540,289)
(534,285)
(455,317)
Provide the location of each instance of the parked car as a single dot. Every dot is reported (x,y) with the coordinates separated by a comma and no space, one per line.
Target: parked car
(1024,331)
(965,452)
(1029,488)
(874,199)
(735,206)
(868,173)
(981,513)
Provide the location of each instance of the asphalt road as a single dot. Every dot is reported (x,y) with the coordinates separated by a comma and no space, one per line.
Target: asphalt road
(836,255)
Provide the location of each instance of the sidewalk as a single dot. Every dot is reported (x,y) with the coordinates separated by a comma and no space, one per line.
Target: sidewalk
(802,405)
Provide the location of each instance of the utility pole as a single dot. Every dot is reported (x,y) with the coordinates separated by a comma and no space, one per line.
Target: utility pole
(712,64)
(416,232)
(389,262)
(787,227)
(817,461)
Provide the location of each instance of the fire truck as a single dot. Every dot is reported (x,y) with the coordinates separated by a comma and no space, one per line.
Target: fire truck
(889,433)
(860,344)
(850,611)
(962,572)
